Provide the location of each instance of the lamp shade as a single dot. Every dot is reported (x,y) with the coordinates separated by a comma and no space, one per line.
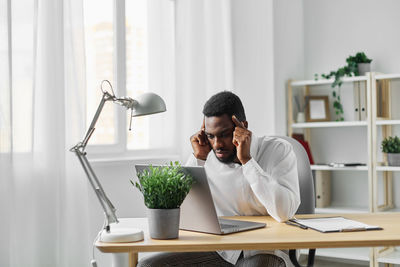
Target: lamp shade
(148,103)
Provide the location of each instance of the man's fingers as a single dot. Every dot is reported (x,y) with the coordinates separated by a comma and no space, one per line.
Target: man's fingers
(237,122)
(235,142)
(203,126)
(201,138)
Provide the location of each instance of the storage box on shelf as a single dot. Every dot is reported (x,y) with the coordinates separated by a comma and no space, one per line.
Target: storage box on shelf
(378,123)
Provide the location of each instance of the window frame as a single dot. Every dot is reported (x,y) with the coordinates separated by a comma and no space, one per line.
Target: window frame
(120,149)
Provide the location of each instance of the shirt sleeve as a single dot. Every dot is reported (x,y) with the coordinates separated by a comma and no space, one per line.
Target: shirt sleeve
(274,180)
(193,161)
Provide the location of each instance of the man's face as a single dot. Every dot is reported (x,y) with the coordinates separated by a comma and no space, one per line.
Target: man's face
(219,132)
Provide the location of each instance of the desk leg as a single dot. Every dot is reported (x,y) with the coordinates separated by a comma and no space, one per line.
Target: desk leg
(133,259)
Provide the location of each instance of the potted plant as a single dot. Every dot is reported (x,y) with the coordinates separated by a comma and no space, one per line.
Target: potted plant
(356,65)
(164,188)
(391,146)
(362,61)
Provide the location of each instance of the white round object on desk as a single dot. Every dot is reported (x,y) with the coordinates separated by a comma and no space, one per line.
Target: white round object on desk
(122,235)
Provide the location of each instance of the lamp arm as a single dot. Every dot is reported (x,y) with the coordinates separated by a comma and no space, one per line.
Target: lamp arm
(106,97)
(108,207)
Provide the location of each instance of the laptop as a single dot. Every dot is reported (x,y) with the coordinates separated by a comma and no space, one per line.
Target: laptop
(198,211)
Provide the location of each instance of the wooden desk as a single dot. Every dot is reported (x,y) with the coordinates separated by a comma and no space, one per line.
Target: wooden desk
(274,236)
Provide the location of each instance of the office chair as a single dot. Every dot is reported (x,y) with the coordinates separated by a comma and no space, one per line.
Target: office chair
(307,195)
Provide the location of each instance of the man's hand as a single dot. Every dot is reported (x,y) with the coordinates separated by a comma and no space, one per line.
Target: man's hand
(241,139)
(200,144)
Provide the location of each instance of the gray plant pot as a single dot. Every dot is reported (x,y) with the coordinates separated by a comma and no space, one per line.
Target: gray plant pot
(363,68)
(163,223)
(393,159)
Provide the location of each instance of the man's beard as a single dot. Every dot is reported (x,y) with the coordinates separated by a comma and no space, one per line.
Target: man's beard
(229,159)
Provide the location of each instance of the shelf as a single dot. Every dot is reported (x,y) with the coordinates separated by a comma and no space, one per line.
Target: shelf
(345,79)
(329,168)
(387,76)
(392,258)
(359,254)
(388,122)
(329,124)
(338,209)
(396,209)
(328,81)
(388,168)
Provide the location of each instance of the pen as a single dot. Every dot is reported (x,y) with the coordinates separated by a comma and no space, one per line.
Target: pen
(296,224)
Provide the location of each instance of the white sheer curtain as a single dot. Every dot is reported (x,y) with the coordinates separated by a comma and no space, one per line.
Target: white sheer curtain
(204,60)
(44,194)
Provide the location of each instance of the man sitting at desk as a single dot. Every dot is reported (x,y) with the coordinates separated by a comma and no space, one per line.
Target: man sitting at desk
(248,175)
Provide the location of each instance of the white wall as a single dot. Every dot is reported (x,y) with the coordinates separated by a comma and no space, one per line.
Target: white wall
(252,31)
(268,49)
(288,55)
(336,29)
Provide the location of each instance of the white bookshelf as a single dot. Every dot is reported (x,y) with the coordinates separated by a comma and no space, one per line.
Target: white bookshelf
(328,81)
(329,124)
(390,258)
(387,168)
(341,209)
(329,168)
(388,122)
(387,76)
(380,122)
(392,210)
(355,254)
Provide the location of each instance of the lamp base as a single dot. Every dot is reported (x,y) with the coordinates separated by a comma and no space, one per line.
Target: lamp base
(122,235)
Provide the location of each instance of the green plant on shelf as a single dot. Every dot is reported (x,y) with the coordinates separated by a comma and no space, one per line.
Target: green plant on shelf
(164,187)
(349,70)
(391,144)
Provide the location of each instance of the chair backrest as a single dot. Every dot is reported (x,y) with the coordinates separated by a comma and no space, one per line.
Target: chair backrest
(306,181)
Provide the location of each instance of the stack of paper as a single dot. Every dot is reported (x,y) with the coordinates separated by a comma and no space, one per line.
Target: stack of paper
(335,224)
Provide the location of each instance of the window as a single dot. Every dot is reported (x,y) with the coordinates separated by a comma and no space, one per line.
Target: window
(16,68)
(130,44)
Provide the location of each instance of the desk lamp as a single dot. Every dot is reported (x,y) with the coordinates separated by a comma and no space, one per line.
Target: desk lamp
(146,104)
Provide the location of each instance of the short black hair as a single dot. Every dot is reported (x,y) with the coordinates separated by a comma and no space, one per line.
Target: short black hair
(224,102)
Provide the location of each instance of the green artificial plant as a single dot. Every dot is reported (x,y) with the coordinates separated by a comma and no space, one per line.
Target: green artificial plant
(164,187)
(351,69)
(391,145)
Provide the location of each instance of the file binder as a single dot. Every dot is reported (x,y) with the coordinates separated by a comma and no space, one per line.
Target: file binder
(363,101)
(356,96)
(322,188)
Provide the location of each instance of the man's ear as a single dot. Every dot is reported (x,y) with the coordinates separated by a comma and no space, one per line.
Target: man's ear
(246,124)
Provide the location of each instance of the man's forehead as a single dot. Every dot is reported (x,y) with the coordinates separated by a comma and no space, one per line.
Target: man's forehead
(218,122)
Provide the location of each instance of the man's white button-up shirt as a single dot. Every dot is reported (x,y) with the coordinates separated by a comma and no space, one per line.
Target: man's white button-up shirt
(266,185)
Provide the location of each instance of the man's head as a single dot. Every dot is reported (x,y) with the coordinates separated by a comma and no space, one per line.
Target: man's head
(219,127)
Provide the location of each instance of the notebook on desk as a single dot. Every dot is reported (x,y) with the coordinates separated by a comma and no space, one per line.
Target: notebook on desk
(334,224)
